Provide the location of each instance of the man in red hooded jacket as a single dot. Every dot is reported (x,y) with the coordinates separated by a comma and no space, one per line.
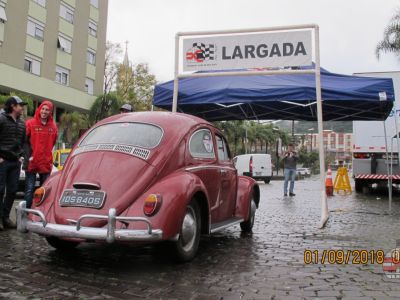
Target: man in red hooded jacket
(41,136)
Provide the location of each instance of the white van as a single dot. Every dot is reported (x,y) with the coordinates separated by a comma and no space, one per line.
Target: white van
(257,166)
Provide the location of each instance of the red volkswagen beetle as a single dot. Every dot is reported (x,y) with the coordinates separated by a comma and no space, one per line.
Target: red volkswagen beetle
(143,177)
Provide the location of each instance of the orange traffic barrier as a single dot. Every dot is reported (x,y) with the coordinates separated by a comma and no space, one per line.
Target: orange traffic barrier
(329,183)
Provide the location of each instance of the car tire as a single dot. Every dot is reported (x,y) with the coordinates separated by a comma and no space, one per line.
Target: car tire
(61,244)
(247,226)
(186,246)
(267,180)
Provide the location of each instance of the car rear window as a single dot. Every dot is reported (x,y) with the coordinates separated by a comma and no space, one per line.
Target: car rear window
(134,134)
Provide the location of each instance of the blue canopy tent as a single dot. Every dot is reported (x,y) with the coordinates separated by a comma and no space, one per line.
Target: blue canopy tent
(286,97)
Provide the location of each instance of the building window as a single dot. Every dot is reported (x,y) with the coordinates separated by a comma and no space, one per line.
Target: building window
(95,3)
(89,86)
(40,2)
(28,65)
(35,29)
(91,57)
(3,16)
(93,28)
(62,76)
(67,12)
(64,44)
(69,17)
(32,65)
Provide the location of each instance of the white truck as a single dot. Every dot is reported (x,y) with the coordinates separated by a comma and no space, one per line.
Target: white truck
(372,161)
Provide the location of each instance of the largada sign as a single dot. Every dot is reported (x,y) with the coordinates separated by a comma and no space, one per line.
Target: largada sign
(277,49)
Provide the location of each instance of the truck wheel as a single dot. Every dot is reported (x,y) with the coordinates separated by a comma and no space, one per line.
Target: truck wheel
(247,225)
(359,184)
(189,236)
(61,244)
(267,180)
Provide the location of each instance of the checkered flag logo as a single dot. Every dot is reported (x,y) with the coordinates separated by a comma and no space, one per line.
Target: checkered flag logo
(207,51)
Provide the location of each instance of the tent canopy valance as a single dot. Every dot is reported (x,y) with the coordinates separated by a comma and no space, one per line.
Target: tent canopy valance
(286,97)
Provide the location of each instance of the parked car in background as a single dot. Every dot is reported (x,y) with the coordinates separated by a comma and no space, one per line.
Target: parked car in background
(256,166)
(60,157)
(144,177)
(303,172)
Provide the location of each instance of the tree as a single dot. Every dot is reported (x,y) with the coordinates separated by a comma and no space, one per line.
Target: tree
(123,83)
(135,85)
(104,106)
(113,52)
(258,135)
(391,37)
(71,125)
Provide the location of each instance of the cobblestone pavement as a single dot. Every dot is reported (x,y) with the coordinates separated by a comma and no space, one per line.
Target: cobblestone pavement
(268,264)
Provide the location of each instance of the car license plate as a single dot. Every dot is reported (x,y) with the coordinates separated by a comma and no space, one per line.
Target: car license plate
(83,198)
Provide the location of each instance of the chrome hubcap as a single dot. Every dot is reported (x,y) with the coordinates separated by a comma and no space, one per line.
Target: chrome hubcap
(189,228)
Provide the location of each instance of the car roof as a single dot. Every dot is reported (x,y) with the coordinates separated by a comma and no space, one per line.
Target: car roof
(171,123)
(155,117)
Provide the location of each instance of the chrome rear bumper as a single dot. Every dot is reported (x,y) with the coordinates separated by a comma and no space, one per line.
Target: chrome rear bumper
(109,233)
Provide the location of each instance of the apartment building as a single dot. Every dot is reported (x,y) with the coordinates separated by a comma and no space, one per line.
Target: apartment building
(338,145)
(53,49)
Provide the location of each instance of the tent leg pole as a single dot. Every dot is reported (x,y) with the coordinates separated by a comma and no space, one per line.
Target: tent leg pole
(396,122)
(387,167)
(324,202)
(176,85)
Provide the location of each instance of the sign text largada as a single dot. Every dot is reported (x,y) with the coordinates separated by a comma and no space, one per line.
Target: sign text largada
(262,50)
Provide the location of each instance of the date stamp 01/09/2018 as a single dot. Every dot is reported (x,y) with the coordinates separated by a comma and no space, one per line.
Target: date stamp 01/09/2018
(390,260)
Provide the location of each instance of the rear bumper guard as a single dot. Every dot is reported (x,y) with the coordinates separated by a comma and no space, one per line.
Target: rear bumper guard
(109,234)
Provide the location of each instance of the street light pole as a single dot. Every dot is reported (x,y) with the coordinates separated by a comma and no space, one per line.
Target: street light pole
(277,151)
(311,137)
(245,144)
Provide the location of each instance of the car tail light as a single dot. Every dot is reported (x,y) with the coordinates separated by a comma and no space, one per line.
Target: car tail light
(152,204)
(361,155)
(251,164)
(39,196)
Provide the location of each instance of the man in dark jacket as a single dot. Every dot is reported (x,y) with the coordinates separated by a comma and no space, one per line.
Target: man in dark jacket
(290,161)
(12,138)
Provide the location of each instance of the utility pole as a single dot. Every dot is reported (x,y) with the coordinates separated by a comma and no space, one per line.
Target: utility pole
(293,140)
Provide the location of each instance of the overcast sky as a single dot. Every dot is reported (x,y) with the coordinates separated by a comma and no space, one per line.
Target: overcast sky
(349,29)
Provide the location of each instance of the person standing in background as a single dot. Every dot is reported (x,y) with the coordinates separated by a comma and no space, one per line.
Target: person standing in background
(41,136)
(126,108)
(290,162)
(12,138)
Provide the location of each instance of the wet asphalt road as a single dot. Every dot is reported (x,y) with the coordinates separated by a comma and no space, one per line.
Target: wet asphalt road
(268,264)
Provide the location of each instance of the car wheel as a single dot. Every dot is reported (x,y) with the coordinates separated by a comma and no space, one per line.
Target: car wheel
(61,244)
(247,226)
(189,236)
(267,180)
